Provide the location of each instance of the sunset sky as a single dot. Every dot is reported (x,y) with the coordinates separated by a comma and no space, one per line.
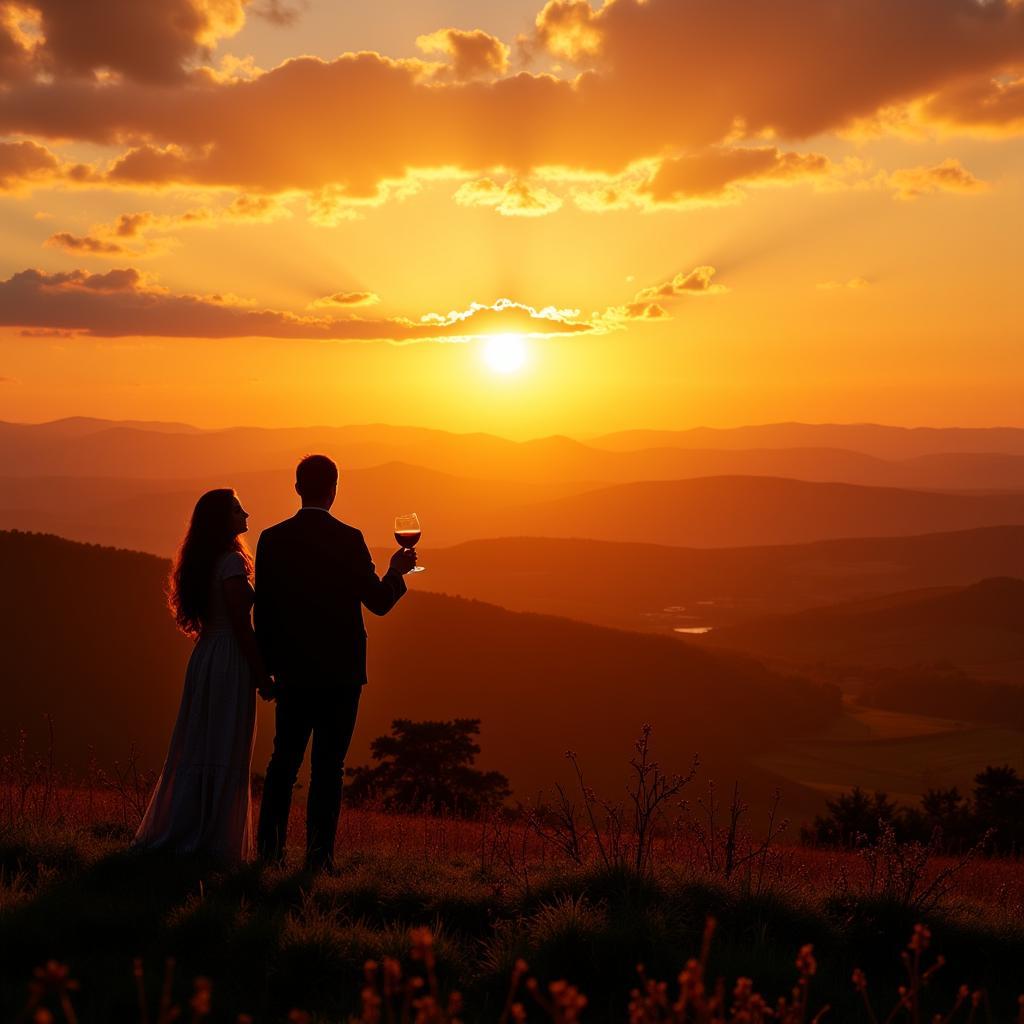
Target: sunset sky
(510,217)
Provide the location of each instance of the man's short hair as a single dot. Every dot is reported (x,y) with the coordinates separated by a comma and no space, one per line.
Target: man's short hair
(316,476)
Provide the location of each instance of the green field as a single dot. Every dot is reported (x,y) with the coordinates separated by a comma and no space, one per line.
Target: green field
(900,754)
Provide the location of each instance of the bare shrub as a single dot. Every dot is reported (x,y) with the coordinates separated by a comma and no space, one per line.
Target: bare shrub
(621,834)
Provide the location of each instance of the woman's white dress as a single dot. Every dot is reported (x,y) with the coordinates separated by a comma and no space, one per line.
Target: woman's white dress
(202,801)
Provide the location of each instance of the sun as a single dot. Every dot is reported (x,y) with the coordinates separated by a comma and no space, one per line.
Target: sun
(505,353)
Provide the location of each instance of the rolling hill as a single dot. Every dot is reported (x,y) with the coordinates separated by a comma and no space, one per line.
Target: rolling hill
(870,438)
(707,512)
(732,511)
(87,639)
(151,515)
(658,588)
(978,627)
(98,448)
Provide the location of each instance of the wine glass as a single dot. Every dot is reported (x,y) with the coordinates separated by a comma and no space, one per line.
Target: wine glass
(407,533)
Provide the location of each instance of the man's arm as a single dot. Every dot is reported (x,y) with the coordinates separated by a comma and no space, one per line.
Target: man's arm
(381,594)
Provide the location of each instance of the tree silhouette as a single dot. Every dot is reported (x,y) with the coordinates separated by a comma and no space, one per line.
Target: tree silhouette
(946,818)
(427,767)
(853,815)
(999,805)
(950,812)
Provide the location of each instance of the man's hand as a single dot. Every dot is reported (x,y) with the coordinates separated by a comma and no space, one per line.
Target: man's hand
(402,560)
(268,689)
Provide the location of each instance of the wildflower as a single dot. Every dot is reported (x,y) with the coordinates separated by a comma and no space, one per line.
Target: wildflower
(200,1001)
(54,977)
(371,1005)
(569,1001)
(921,938)
(691,984)
(422,940)
(805,962)
(743,991)
(427,1011)
(860,980)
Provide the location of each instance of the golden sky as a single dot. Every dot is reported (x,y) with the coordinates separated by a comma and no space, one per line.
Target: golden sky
(573,218)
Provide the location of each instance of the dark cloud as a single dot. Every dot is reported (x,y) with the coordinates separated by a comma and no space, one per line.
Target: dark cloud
(150,41)
(85,244)
(713,172)
(280,12)
(345,299)
(662,79)
(124,303)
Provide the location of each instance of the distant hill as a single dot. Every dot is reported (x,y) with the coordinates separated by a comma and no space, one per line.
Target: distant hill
(81,426)
(87,638)
(83,447)
(978,627)
(708,512)
(655,587)
(732,511)
(946,691)
(870,438)
(151,515)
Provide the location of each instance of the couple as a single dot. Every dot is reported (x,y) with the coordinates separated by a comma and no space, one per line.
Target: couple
(307,652)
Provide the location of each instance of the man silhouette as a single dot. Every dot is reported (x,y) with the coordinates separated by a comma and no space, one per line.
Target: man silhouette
(313,575)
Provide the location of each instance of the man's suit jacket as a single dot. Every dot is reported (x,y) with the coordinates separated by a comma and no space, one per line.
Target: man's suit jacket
(313,575)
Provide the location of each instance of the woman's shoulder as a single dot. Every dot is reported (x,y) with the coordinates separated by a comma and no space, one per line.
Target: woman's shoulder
(231,563)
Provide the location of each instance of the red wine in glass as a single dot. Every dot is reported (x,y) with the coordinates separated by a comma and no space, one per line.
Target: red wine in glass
(407,533)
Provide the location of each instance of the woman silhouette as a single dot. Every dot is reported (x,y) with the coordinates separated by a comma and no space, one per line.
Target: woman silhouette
(202,802)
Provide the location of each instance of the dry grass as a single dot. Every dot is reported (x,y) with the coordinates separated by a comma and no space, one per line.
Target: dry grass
(434,919)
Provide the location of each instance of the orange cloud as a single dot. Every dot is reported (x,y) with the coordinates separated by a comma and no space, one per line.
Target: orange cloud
(472,54)
(26,164)
(647,303)
(663,80)
(129,234)
(707,177)
(794,67)
(348,299)
(87,244)
(516,198)
(986,103)
(567,29)
(714,173)
(149,41)
(694,282)
(126,303)
(949,176)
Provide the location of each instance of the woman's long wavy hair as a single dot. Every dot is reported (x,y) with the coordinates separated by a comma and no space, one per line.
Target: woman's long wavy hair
(210,535)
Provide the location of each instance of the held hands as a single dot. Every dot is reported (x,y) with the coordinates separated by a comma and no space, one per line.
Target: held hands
(268,689)
(403,560)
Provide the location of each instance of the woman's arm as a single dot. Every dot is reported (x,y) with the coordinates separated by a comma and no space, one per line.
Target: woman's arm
(238,600)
